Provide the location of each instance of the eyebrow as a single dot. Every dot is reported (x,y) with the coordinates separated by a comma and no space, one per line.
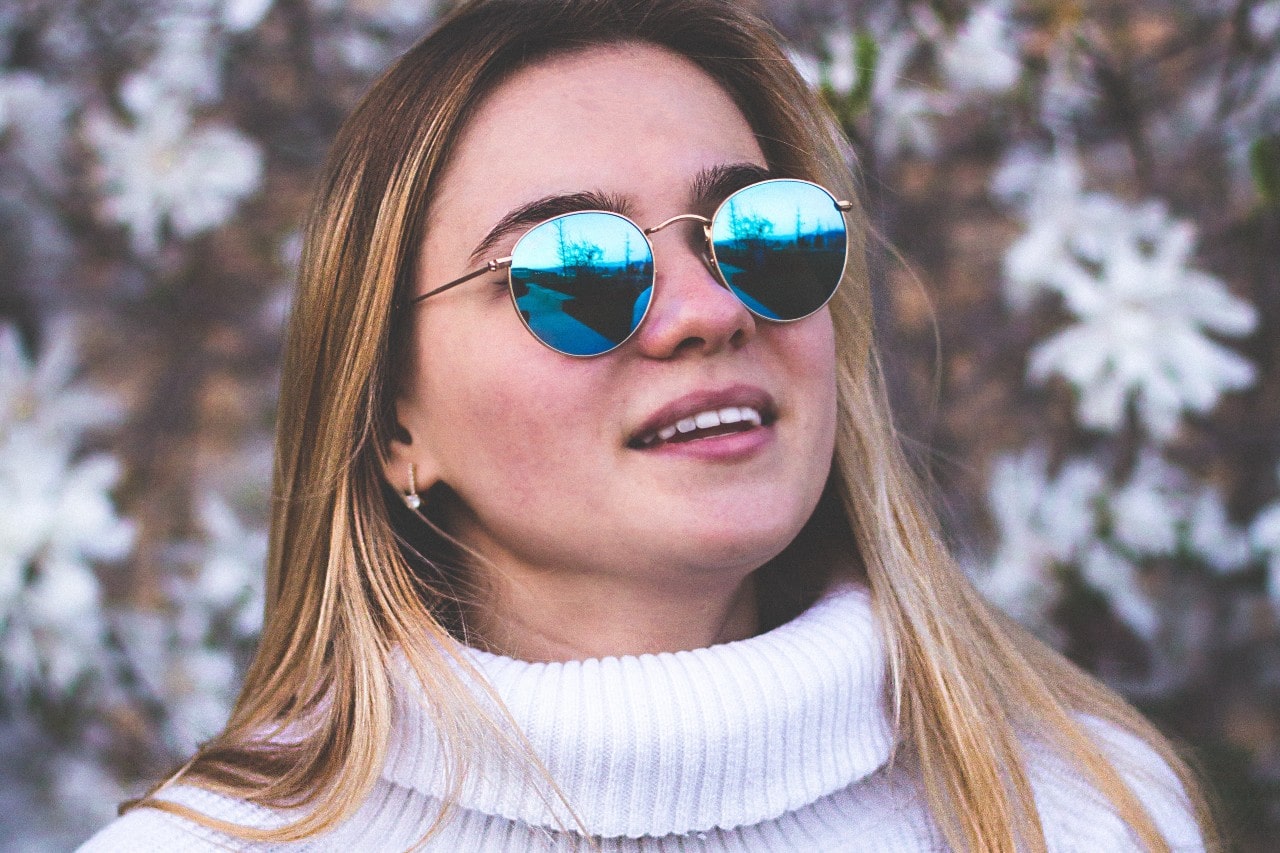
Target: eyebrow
(709,187)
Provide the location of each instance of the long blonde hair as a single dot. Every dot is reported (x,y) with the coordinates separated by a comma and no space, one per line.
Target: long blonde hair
(346,595)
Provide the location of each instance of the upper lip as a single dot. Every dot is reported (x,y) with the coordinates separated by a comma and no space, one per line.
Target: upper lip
(703,400)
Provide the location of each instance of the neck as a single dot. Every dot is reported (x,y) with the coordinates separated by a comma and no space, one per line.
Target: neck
(564,618)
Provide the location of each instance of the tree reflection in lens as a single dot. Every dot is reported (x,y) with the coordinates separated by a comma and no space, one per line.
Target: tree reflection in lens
(582,281)
(780,246)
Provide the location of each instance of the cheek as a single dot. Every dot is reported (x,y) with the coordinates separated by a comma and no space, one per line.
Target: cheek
(502,418)
(811,354)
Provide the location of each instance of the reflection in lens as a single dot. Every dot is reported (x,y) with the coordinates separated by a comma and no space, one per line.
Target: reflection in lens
(582,281)
(780,246)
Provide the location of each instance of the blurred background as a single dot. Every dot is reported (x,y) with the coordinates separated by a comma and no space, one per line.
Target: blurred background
(1077,274)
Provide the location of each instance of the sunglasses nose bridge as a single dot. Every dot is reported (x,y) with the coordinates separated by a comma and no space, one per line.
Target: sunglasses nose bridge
(683,217)
(707,256)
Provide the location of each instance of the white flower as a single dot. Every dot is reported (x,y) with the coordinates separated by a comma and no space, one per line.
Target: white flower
(1160,511)
(839,71)
(1069,88)
(56,517)
(1264,21)
(162,170)
(808,66)
(1141,334)
(1147,510)
(1049,193)
(200,691)
(34,114)
(1042,524)
(187,658)
(982,55)
(241,15)
(42,394)
(1116,577)
(1108,532)
(231,578)
(398,14)
(1264,534)
(1212,536)
(903,113)
(190,51)
(1143,313)
(187,63)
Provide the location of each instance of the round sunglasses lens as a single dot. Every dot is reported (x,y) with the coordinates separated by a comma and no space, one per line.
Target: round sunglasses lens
(582,281)
(780,246)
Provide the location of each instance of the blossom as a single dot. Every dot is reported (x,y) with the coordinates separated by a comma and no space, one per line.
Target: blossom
(1107,531)
(1115,576)
(1264,534)
(1264,21)
(1143,313)
(982,55)
(57,517)
(241,15)
(34,114)
(407,14)
(187,63)
(1042,524)
(189,657)
(1141,336)
(1211,536)
(1049,191)
(1068,88)
(902,113)
(160,170)
(229,581)
(1145,511)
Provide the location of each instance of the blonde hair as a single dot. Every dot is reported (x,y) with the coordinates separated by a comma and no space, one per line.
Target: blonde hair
(346,594)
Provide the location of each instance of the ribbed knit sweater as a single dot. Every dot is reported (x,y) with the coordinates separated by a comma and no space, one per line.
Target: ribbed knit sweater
(774,743)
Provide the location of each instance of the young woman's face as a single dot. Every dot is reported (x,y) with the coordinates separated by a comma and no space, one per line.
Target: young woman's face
(544,450)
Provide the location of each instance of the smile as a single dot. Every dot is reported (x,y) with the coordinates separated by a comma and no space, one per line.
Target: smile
(705,424)
(705,414)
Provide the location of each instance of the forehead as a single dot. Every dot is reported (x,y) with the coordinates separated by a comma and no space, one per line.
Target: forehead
(625,118)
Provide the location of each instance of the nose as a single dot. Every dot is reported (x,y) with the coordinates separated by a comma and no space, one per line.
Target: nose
(691,311)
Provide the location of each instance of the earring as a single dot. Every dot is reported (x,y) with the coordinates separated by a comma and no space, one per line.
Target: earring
(411,498)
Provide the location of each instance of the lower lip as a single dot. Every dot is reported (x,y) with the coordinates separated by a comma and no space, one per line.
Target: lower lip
(730,447)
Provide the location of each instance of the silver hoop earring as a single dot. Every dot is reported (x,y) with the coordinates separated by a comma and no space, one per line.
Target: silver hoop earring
(411,498)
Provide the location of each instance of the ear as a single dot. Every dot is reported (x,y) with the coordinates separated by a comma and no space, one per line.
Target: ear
(404,451)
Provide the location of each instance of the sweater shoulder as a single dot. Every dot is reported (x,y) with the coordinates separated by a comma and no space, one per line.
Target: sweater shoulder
(1076,816)
(153,830)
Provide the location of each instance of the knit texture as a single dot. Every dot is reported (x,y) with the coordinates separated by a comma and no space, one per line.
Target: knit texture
(777,742)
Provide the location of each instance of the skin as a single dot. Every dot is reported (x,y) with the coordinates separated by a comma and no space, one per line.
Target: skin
(588,547)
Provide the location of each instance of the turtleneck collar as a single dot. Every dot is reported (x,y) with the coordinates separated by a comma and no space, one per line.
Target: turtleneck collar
(720,737)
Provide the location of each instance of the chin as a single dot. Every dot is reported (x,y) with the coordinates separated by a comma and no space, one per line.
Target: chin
(736,547)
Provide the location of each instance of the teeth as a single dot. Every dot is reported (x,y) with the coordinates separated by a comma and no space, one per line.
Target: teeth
(705,420)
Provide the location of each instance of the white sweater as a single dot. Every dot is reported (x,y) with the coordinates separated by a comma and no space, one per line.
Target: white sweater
(779,742)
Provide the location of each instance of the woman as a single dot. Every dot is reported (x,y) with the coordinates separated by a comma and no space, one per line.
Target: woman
(637,565)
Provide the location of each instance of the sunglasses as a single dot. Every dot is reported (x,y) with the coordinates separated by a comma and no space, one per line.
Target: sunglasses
(582,282)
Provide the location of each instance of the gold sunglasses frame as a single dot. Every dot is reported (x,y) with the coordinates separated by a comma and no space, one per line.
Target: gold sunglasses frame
(504,263)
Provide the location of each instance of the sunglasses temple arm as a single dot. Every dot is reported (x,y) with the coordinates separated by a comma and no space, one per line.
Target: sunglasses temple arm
(490,266)
(846,206)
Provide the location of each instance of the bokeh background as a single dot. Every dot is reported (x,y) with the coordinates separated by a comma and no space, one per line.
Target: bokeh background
(1077,278)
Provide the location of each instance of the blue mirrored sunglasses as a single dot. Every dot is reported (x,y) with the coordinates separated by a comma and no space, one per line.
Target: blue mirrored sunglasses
(582,282)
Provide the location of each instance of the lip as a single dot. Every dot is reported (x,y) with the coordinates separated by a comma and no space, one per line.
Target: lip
(702,400)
